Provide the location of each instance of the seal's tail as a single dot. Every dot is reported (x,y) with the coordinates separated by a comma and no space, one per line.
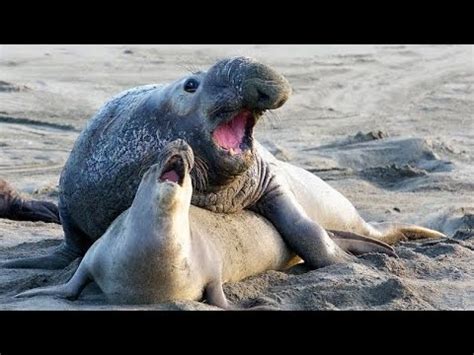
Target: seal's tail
(392,233)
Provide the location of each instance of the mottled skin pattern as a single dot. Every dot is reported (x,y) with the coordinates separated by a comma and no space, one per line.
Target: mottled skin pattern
(122,141)
(13,206)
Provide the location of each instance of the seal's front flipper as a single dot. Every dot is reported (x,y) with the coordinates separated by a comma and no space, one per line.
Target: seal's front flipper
(357,244)
(215,295)
(304,236)
(392,233)
(70,290)
(59,259)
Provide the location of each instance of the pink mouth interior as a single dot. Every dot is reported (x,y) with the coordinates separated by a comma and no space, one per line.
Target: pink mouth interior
(229,135)
(170,176)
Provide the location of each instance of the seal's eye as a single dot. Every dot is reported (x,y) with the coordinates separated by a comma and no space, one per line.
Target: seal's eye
(191,85)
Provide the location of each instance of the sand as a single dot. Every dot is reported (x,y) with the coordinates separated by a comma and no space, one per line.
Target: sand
(391,127)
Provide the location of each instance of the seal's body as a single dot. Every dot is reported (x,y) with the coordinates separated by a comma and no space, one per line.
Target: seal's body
(215,113)
(180,259)
(163,249)
(15,207)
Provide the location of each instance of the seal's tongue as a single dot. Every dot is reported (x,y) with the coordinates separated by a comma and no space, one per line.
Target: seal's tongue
(170,176)
(229,135)
(173,170)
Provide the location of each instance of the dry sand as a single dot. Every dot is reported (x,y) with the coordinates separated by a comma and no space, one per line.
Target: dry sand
(391,127)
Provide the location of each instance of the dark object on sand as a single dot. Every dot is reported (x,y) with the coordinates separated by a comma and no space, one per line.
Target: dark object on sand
(13,206)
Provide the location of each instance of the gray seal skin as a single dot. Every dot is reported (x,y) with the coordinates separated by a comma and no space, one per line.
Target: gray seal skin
(15,207)
(164,249)
(215,112)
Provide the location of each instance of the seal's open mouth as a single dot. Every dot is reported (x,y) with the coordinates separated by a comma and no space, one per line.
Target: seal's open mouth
(173,170)
(235,135)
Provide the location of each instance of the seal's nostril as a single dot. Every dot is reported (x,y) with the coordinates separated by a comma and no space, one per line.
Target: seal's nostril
(262,97)
(280,102)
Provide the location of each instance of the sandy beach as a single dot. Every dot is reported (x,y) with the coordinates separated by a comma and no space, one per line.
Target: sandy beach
(390,127)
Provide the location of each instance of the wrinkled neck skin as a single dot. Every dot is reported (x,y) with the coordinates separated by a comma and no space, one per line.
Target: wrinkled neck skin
(241,192)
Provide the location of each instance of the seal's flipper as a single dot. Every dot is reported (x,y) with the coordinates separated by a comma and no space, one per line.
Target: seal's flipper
(357,244)
(215,295)
(59,259)
(13,206)
(70,290)
(392,233)
(34,210)
(305,237)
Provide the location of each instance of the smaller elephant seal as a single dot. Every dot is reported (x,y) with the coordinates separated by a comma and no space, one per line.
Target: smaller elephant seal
(156,251)
(13,206)
(163,249)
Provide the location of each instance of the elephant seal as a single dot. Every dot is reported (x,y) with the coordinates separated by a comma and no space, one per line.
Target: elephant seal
(13,206)
(215,112)
(164,249)
(159,250)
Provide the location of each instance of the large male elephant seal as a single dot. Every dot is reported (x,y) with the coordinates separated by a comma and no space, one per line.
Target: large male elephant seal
(13,206)
(215,112)
(164,249)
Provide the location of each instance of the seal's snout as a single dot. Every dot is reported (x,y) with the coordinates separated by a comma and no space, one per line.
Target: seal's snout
(263,88)
(260,86)
(245,88)
(262,95)
(176,160)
